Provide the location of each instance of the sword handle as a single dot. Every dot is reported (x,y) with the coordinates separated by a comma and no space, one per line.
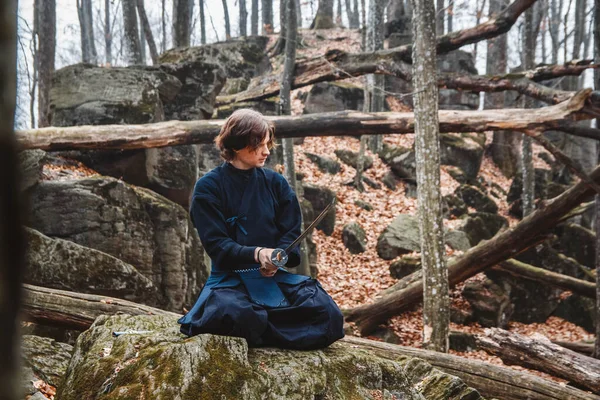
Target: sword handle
(279,258)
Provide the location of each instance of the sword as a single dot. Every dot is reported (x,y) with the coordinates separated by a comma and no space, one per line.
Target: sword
(279,257)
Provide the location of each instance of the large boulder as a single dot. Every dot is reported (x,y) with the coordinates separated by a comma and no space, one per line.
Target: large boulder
(577,242)
(474,197)
(321,197)
(65,265)
(400,237)
(482,226)
(404,266)
(43,359)
(333,96)
(88,95)
(31,163)
(401,161)
(133,224)
(579,310)
(490,302)
(165,365)
(325,164)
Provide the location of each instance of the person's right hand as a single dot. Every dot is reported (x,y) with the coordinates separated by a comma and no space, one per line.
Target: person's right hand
(266,266)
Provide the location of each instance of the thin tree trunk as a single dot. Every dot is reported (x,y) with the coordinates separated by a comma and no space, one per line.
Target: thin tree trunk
(46,40)
(267,17)
(254,18)
(11,237)
(439,17)
(133,54)
(203,23)
(436,298)
(477,22)
(366,107)
(299,13)
(148,31)
(227,25)
(243,18)
(376,82)
(450,13)
(324,17)
(528,194)
(142,35)
(107,33)
(86,23)
(597,85)
(554,26)
(163,26)
(181,23)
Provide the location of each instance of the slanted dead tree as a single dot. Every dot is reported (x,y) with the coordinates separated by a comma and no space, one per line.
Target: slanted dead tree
(343,123)
(541,354)
(149,36)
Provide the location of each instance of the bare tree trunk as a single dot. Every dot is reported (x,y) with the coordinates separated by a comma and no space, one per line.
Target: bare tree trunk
(450,13)
(203,23)
(376,82)
(254,18)
(478,21)
(505,144)
(46,40)
(579,29)
(227,25)
(107,33)
(133,54)
(86,23)
(528,194)
(181,23)
(324,17)
(163,26)
(267,17)
(243,18)
(597,85)
(366,107)
(11,237)
(436,298)
(439,17)
(299,14)
(147,31)
(352,23)
(142,35)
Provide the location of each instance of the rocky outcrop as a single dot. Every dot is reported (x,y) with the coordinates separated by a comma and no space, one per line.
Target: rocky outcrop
(474,197)
(482,226)
(404,266)
(43,359)
(65,265)
(490,302)
(463,152)
(325,164)
(133,224)
(31,163)
(401,161)
(351,158)
(165,365)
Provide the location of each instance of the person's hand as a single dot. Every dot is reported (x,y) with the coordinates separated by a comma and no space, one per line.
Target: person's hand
(267,268)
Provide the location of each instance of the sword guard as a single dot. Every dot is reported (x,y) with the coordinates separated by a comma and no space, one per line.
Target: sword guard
(279,258)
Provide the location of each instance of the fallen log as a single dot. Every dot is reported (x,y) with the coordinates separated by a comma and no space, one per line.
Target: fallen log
(527,271)
(73,310)
(584,348)
(492,381)
(501,247)
(541,354)
(336,65)
(344,123)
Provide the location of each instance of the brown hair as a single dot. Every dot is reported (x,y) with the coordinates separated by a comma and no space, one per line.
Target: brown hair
(244,128)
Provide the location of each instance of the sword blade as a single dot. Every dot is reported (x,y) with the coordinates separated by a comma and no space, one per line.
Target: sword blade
(307,230)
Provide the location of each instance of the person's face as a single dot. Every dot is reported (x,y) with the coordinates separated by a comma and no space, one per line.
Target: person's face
(250,158)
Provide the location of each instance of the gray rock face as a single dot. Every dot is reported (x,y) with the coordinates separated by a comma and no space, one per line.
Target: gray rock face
(351,158)
(364,205)
(65,265)
(85,94)
(462,152)
(453,205)
(579,243)
(320,197)
(133,224)
(43,359)
(400,237)
(165,365)
(333,96)
(579,310)
(354,238)
(325,164)
(458,240)
(473,197)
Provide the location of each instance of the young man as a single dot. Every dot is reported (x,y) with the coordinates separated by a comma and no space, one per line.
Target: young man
(242,213)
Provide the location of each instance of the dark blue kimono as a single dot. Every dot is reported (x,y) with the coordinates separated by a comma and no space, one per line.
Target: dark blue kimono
(235,211)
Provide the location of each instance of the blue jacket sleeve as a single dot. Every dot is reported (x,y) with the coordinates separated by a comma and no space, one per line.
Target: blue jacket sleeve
(210,223)
(289,220)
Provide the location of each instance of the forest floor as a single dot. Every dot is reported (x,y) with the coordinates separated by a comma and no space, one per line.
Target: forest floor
(356,279)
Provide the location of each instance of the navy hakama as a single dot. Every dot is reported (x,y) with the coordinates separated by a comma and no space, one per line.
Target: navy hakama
(235,211)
